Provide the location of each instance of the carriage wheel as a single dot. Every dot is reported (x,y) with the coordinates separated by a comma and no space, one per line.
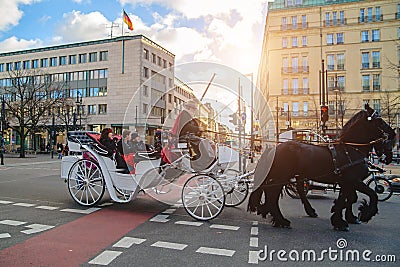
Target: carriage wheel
(382,187)
(86,182)
(203,197)
(237,191)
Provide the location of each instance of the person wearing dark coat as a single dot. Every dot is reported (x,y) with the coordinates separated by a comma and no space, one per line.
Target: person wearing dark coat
(137,144)
(106,139)
(186,123)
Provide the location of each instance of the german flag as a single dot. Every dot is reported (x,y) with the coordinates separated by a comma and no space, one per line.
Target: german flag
(127,20)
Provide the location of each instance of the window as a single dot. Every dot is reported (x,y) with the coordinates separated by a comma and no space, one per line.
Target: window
(53,61)
(376,59)
(159,61)
(82,58)
(329,39)
(93,57)
(145,72)
(285,64)
(72,59)
(295,85)
(17,65)
(26,64)
(1,68)
(340,38)
(62,60)
(340,61)
(9,66)
(285,86)
(153,58)
(145,53)
(92,110)
(376,82)
(375,35)
(305,108)
(305,64)
(327,19)
(340,82)
(295,64)
(285,107)
(377,105)
(365,60)
(334,18)
(284,42)
(304,21)
(378,13)
(284,23)
(294,22)
(304,40)
(145,108)
(145,90)
(369,16)
(294,41)
(365,83)
(295,109)
(44,62)
(102,109)
(330,62)
(103,73)
(341,17)
(103,91)
(103,55)
(164,64)
(364,36)
(362,15)
(305,86)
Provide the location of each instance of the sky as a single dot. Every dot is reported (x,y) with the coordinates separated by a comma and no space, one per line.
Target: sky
(228,32)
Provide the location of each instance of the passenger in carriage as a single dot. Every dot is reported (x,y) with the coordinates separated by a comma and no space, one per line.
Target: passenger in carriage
(125,148)
(137,144)
(106,139)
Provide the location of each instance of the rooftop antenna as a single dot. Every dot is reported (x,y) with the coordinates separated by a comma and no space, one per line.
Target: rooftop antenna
(113,25)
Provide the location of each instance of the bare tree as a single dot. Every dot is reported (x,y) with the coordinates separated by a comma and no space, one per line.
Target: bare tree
(390,105)
(29,94)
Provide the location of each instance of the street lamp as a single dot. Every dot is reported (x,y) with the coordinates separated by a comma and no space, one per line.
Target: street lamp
(78,103)
(251,119)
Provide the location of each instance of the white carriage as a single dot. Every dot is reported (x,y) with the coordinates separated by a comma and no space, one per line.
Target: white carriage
(204,194)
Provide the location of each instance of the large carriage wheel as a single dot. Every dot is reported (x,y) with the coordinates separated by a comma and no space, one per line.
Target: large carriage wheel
(236,191)
(382,187)
(203,197)
(86,182)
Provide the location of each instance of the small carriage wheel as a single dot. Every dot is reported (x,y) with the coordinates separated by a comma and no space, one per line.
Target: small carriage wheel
(203,197)
(86,182)
(237,192)
(382,187)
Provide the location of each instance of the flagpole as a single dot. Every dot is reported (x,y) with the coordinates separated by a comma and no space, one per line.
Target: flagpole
(123,11)
(123,44)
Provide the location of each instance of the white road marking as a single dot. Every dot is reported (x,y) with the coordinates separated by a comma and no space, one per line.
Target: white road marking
(254,230)
(169,211)
(224,227)
(177,206)
(106,204)
(254,242)
(105,258)
(255,223)
(127,242)
(169,245)
(216,251)
(160,218)
(24,204)
(87,211)
(5,235)
(36,228)
(11,222)
(5,202)
(189,223)
(253,256)
(47,207)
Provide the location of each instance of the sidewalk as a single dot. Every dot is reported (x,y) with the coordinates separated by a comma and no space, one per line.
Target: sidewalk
(14,159)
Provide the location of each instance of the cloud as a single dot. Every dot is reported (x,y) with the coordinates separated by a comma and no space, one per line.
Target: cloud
(10,13)
(13,44)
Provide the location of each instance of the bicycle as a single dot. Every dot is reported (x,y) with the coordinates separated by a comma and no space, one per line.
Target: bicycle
(380,184)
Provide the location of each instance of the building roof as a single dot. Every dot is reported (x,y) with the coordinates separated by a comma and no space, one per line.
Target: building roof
(88,43)
(282,4)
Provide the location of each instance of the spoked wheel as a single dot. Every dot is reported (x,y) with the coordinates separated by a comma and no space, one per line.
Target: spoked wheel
(236,191)
(382,187)
(291,190)
(203,197)
(86,182)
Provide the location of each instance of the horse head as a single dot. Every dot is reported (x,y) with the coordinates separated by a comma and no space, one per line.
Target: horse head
(384,144)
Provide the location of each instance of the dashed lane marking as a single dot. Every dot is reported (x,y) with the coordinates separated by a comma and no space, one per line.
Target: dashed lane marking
(127,242)
(189,223)
(5,235)
(12,222)
(169,211)
(169,245)
(87,211)
(216,251)
(254,230)
(224,227)
(5,202)
(254,242)
(105,258)
(36,228)
(24,204)
(160,218)
(47,208)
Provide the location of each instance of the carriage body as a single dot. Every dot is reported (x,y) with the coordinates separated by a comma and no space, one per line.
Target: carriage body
(88,172)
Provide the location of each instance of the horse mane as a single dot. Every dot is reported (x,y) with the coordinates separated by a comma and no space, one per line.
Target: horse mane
(350,123)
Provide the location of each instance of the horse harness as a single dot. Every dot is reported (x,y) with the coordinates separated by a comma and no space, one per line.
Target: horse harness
(338,169)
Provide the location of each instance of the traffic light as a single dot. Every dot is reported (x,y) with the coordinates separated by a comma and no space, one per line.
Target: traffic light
(324,114)
(234,119)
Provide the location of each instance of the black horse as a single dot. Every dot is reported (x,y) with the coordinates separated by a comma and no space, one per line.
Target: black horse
(343,162)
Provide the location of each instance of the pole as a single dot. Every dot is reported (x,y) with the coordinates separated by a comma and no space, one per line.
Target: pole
(208,86)
(3,110)
(277,120)
(252,122)
(52,136)
(240,130)
(136,118)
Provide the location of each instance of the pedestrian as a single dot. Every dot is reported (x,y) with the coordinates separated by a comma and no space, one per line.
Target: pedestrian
(66,150)
(60,148)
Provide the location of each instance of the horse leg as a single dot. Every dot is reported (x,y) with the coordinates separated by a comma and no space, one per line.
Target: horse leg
(255,205)
(367,211)
(274,193)
(307,205)
(337,210)
(350,217)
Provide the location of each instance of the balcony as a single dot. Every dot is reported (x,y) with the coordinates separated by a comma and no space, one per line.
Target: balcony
(376,87)
(295,91)
(366,88)
(336,22)
(299,69)
(365,65)
(376,65)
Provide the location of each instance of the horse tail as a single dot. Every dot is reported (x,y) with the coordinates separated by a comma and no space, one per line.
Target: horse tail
(254,200)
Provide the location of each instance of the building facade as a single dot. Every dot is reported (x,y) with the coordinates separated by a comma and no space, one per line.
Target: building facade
(123,83)
(356,42)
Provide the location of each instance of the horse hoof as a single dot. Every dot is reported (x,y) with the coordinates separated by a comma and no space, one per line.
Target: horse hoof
(342,229)
(313,215)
